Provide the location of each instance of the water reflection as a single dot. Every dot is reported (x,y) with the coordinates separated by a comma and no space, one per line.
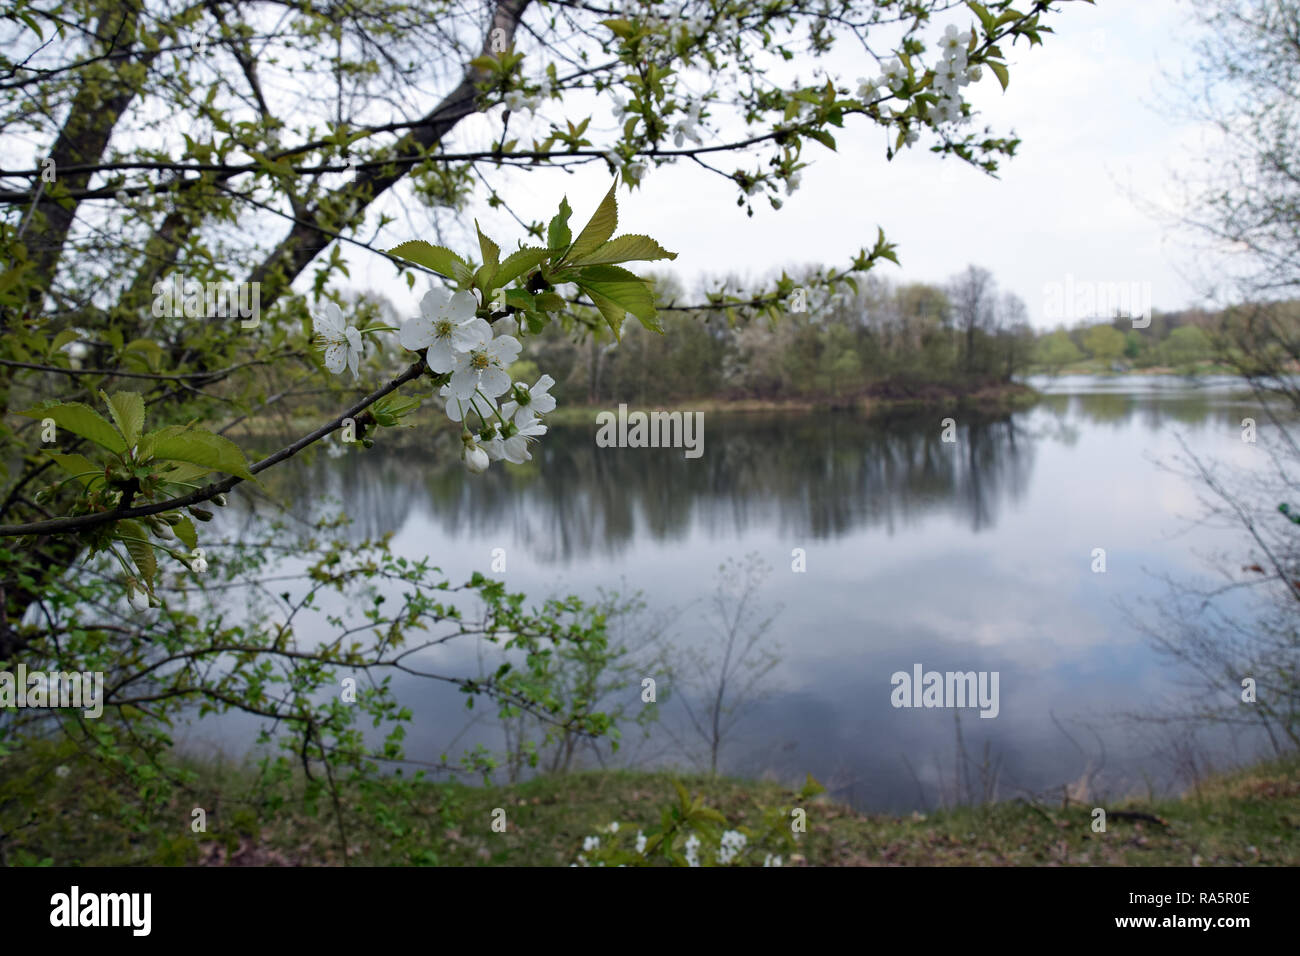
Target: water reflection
(973,554)
(812,477)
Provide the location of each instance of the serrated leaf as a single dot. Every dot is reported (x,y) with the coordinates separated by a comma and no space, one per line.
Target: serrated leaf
(199,447)
(133,535)
(558,235)
(127,409)
(596,232)
(80,419)
(519,262)
(438,258)
(490,250)
(628,248)
(627,290)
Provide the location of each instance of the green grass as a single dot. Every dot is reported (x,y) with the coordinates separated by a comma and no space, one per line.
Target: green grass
(1248,817)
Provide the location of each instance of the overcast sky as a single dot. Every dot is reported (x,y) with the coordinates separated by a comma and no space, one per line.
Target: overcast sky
(1092,108)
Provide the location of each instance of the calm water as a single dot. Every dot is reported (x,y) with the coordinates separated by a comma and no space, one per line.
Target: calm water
(971,555)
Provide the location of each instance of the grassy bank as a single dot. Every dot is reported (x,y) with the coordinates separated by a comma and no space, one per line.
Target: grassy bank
(1243,818)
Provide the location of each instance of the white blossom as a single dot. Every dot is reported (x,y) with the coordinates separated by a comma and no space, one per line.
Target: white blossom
(590,843)
(640,842)
(954,43)
(474,456)
(894,75)
(689,127)
(457,407)
(770,860)
(529,403)
(446,326)
(482,365)
(341,342)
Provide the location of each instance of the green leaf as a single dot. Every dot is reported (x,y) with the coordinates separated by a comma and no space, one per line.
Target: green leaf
(438,258)
(184,530)
(199,447)
(615,291)
(627,248)
(133,535)
(1000,71)
(76,465)
(517,263)
(127,409)
(146,352)
(620,28)
(558,235)
(823,137)
(390,410)
(599,229)
(80,419)
(490,250)
(62,339)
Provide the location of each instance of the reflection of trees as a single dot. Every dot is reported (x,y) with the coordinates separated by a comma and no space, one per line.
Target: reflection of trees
(807,476)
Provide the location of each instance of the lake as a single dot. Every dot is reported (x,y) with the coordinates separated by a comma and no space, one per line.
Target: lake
(971,555)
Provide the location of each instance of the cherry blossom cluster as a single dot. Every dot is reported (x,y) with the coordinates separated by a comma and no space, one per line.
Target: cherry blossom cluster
(477,357)
(952,73)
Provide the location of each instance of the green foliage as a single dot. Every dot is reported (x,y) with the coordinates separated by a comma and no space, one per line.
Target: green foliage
(689,832)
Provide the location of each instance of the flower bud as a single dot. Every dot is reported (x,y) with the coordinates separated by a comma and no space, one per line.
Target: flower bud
(201,513)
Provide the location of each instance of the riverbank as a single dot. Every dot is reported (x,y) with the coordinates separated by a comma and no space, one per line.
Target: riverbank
(880,400)
(1248,817)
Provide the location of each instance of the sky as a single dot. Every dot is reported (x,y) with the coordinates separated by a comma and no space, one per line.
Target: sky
(1101,146)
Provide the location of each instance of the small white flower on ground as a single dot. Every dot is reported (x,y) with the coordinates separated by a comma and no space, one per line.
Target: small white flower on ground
(640,842)
(730,846)
(61,772)
(526,405)
(771,860)
(692,848)
(445,326)
(341,342)
(482,366)
(613,827)
(590,843)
